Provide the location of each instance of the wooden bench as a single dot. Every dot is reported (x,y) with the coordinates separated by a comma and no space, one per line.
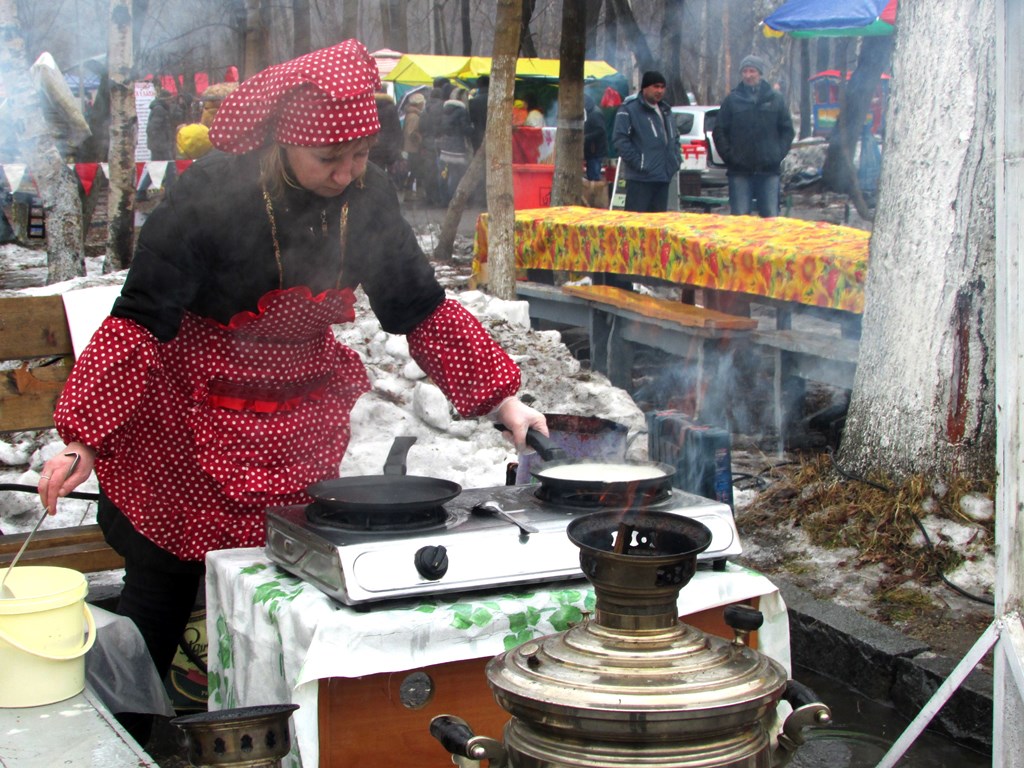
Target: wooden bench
(617,320)
(34,334)
(705,203)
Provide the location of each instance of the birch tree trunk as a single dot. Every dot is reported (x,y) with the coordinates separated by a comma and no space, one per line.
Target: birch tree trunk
(500,213)
(58,187)
(923,398)
(567,188)
(123,129)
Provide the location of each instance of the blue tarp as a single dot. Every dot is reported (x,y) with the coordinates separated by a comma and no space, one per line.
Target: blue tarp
(830,16)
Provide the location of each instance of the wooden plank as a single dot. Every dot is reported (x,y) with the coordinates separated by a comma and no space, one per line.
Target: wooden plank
(549,303)
(28,397)
(686,315)
(33,326)
(81,548)
(809,343)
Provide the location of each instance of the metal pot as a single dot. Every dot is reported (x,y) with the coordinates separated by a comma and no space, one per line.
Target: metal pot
(580,437)
(633,685)
(379,494)
(247,737)
(564,475)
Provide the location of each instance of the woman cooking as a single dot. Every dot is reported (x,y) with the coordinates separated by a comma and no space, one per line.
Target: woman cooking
(216,388)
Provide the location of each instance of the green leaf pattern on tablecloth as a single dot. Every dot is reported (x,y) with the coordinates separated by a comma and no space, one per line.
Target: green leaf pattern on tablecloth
(561,609)
(219,684)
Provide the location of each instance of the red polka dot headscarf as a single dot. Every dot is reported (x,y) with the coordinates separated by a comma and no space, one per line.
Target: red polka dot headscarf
(322,98)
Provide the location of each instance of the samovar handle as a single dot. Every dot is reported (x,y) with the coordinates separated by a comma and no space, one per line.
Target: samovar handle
(467,749)
(807,712)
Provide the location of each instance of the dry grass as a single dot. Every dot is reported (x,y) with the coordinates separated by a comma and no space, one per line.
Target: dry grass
(837,512)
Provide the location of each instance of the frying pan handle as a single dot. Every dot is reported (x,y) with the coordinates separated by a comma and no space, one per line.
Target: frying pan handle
(395,463)
(540,443)
(543,445)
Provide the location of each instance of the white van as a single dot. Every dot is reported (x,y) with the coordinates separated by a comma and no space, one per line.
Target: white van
(694,124)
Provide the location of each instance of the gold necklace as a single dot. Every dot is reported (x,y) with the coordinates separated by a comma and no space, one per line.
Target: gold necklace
(342,236)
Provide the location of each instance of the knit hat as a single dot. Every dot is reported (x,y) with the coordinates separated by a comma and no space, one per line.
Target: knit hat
(218,91)
(316,100)
(652,78)
(753,61)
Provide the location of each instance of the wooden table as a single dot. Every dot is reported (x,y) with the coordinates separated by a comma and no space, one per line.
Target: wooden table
(362,677)
(802,263)
(796,267)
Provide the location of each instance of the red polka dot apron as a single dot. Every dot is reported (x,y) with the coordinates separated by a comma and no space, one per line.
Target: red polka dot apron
(241,417)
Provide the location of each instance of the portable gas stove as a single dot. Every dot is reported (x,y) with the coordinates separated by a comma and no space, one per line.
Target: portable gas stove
(456,548)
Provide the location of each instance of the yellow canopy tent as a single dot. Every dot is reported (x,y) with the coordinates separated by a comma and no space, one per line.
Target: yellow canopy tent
(415,69)
(421,68)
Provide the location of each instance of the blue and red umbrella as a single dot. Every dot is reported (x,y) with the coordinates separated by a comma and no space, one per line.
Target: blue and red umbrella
(835,18)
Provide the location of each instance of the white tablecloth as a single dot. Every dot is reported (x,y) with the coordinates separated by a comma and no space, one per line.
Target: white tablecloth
(273,637)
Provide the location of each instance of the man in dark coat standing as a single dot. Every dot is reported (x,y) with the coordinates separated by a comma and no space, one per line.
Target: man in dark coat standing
(753,134)
(478,111)
(646,139)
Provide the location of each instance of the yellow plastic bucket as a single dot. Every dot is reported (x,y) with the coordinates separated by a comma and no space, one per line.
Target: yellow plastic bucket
(45,631)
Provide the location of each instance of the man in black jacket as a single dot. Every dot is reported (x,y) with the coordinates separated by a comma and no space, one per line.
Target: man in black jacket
(753,133)
(646,139)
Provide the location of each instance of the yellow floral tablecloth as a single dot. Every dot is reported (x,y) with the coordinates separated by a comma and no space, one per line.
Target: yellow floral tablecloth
(805,262)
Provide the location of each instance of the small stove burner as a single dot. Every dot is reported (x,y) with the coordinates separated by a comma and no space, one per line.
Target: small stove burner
(584,499)
(383,521)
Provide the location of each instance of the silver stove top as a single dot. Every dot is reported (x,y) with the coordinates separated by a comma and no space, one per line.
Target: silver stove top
(467,551)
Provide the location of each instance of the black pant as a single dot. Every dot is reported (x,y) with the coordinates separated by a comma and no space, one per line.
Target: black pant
(647,196)
(159,589)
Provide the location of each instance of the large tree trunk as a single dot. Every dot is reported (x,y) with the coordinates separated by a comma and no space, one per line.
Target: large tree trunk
(123,129)
(57,185)
(567,188)
(501,216)
(923,398)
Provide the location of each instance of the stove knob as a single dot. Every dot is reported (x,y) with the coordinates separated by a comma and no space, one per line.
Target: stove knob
(432,562)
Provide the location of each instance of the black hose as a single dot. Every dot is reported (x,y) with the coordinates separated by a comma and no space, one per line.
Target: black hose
(920,526)
(32,489)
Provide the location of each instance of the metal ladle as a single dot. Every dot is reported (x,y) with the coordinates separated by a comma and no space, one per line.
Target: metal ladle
(5,591)
(492,508)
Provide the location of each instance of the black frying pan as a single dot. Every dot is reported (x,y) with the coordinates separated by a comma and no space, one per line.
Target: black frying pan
(392,491)
(592,475)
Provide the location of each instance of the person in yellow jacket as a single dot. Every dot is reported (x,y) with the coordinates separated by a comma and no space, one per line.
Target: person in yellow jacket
(193,140)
